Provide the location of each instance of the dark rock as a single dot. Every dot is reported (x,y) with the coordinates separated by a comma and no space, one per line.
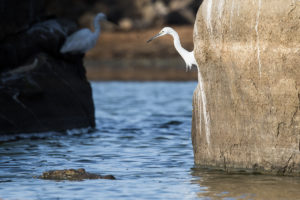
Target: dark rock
(170,123)
(16,16)
(46,94)
(40,89)
(72,175)
(111,177)
(46,36)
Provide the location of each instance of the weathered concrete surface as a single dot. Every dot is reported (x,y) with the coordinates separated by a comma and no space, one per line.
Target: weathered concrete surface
(249,54)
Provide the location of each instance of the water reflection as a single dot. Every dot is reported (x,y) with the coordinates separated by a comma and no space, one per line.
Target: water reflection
(220,185)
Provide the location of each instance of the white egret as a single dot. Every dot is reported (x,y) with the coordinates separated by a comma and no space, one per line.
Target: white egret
(187,56)
(190,60)
(83,40)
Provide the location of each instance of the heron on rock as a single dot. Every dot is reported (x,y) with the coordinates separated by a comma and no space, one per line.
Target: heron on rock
(188,56)
(84,39)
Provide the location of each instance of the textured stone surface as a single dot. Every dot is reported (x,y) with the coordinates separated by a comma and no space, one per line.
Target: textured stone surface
(72,175)
(248,52)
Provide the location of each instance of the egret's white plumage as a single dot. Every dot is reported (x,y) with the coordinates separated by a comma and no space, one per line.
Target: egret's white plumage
(83,40)
(188,56)
(190,60)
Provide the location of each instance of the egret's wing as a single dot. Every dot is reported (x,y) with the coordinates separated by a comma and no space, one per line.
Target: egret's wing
(79,41)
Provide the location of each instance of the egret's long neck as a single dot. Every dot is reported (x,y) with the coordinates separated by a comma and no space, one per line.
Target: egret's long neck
(97,25)
(177,44)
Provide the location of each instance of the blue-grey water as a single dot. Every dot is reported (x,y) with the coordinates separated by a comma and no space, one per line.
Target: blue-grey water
(143,139)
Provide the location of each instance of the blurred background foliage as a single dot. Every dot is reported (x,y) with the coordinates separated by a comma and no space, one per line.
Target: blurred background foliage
(128,14)
(121,52)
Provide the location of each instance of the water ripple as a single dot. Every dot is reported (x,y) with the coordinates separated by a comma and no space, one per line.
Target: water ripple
(142,138)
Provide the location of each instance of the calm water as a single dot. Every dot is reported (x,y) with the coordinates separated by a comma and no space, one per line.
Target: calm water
(143,139)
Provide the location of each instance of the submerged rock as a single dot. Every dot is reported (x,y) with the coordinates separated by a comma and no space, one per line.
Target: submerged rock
(246,108)
(72,175)
(170,123)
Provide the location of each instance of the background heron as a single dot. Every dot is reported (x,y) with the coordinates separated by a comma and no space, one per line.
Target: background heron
(83,40)
(187,56)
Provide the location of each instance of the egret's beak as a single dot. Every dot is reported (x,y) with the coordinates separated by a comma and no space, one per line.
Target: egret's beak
(154,37)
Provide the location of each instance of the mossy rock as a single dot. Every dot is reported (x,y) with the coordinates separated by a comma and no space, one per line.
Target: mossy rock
(72,175)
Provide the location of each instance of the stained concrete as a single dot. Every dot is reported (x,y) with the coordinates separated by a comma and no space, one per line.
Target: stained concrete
(248,54)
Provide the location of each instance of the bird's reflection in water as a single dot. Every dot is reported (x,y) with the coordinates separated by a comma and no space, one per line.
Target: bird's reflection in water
(221,185)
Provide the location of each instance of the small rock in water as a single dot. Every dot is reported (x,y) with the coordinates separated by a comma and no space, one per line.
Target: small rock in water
(73,175)
(170,123)
(111,177)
